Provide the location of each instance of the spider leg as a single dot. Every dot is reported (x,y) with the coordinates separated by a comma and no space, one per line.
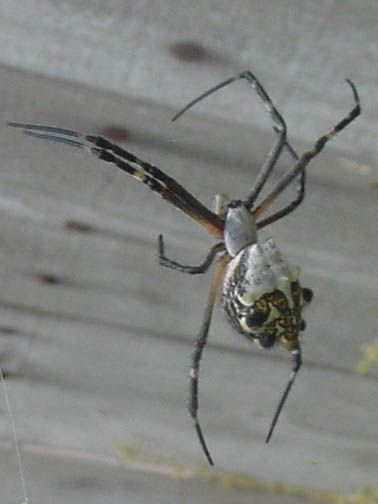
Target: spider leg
(304,160)
(142,171)
(192,270)
(279,127)
(197,354)
(297,362)
(301,191)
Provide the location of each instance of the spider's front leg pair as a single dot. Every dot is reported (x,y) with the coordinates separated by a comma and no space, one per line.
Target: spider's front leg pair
(281,142)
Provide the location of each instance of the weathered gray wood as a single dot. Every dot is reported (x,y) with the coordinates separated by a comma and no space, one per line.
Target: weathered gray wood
(302,50)
(97,338)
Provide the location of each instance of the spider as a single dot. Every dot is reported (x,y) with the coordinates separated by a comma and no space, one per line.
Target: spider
(261,294)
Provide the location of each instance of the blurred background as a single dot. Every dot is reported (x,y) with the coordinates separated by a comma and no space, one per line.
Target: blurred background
(96,338)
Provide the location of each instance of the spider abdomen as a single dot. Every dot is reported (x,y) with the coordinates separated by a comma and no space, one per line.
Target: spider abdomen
(261,296)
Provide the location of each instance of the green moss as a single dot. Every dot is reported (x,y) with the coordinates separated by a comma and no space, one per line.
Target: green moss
(363,495)
(136,458)
(369,358)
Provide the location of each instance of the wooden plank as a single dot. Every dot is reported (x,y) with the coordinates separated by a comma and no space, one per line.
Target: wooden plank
(102,336)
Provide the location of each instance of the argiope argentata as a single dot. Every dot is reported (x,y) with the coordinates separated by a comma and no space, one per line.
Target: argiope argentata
(261,294)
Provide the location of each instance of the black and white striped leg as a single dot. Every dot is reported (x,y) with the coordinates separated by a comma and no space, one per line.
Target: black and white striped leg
(150,175)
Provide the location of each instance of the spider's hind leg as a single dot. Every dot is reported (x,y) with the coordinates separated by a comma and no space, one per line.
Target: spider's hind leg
(296,365)
(200,344)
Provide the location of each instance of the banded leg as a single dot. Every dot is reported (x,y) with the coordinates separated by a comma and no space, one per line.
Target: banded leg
(297,362)
(304,160)
(279,126)
(197,354)
(301,191)
(146,173)
(192,270)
